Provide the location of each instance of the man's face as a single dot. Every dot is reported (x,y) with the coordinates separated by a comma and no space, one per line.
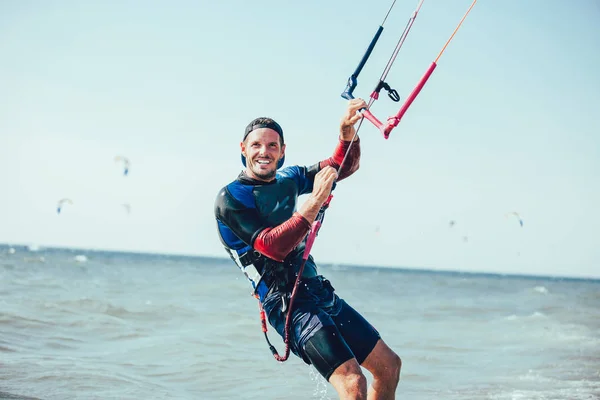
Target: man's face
(263,150)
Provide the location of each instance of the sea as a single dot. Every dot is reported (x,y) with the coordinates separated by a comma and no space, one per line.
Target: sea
(83,324)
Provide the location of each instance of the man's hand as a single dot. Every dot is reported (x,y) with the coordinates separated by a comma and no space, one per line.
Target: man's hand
(324,180)
(351,117)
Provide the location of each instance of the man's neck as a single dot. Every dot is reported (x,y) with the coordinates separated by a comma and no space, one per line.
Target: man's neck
(245,176)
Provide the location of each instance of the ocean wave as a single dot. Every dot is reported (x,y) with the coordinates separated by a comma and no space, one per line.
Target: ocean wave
(15,320)
(40,259)
(80,258)
(128,336)
(534,315)
(540,289)
(8,266)
(7,350)
(582,393)
(12,396)
(579,334)
(448,349)
(145,311)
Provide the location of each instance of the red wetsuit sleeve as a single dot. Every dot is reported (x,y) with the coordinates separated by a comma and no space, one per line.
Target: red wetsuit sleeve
(352,162)
(278,242)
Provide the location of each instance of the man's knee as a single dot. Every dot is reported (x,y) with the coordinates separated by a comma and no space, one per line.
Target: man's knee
(396,364)
(349,381)
(389,368)
(355,382)
(384,363)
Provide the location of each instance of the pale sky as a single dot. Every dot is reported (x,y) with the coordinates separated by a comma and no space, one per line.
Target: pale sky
(509,121)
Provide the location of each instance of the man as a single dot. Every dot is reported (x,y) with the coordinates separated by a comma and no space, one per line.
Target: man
(263,233)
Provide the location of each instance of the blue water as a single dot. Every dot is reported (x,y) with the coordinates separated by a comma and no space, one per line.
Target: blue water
(78,324)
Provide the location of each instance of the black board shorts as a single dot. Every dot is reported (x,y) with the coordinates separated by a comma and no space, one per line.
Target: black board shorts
(326,331)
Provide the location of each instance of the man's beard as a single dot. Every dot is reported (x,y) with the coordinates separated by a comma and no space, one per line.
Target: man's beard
(267,175)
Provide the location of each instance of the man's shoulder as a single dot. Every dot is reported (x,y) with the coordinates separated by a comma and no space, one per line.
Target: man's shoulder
(298,173)
(286,172)
(235,194)
(292,171)
(227,187)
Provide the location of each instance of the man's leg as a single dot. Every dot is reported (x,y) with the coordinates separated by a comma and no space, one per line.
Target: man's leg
(318,341)
(330,355)
(385,366)
(370,352)
(349,381)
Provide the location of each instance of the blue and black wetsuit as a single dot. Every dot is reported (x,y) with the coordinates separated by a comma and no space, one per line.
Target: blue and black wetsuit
(262,232)
(247,208)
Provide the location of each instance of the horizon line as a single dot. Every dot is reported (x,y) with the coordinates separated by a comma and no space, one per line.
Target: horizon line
(327,264)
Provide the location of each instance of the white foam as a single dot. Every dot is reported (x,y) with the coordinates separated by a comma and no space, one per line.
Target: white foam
(80,258)
(321,386)
(540,289)
(538,314)
(535,314)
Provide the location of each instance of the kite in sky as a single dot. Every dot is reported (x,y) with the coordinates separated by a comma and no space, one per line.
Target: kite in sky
(61,203)
(124,161)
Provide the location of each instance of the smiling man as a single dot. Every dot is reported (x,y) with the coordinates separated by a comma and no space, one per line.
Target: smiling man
(265,234)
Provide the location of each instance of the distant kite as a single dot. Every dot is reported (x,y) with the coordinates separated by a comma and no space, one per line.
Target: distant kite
(61,203)
(127,207)
(515,214)
(125,162)
(451,223)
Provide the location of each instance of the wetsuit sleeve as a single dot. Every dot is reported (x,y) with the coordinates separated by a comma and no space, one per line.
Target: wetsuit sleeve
(245,223)
(278,242)
(303,176)
(350,165)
